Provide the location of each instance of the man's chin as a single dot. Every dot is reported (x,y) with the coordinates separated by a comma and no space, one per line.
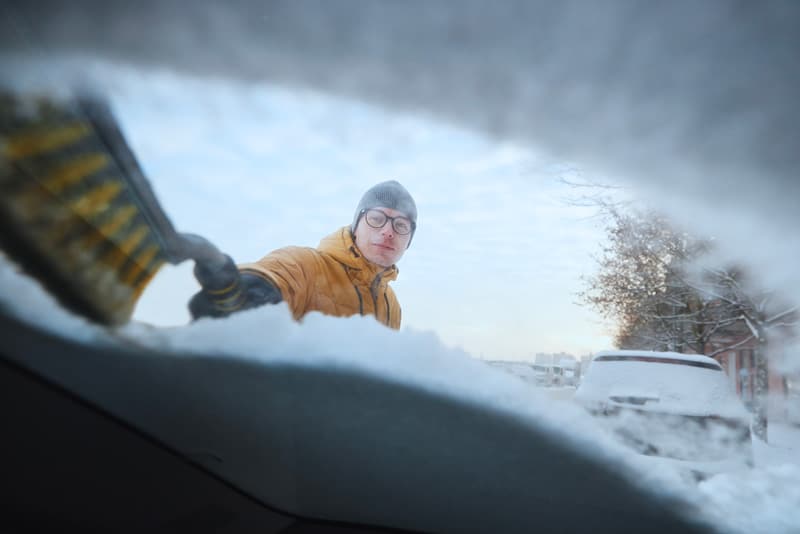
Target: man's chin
(381,260)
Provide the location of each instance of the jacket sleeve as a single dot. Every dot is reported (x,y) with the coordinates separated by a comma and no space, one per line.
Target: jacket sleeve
(291,270)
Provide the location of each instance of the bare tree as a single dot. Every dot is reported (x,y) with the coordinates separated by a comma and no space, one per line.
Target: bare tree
(640,285)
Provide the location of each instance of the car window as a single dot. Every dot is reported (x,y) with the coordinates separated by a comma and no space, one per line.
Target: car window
(650,359)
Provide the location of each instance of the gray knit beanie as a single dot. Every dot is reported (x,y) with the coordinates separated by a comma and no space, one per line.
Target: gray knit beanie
(389,194)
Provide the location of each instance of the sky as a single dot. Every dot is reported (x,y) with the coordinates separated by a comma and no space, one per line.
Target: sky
(254,167)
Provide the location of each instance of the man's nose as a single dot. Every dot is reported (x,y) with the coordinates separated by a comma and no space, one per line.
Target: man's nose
(387,230)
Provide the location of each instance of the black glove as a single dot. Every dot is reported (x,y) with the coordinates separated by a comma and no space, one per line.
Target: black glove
(226,290)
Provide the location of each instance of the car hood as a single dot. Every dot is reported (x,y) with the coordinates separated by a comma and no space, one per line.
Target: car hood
(334,443)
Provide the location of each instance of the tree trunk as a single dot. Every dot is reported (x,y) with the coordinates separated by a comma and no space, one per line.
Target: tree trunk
(761,391)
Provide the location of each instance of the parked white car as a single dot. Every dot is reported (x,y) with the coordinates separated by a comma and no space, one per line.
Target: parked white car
(676,408)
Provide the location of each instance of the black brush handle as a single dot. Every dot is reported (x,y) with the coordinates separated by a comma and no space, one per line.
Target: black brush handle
(216,272)
(225,289)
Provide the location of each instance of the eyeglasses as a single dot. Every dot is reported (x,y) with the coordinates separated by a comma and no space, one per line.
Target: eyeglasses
(377,219)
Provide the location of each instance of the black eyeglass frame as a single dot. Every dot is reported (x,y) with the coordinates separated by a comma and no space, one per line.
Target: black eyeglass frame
(387,219)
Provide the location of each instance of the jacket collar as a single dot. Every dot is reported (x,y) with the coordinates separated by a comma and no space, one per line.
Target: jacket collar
(341,246)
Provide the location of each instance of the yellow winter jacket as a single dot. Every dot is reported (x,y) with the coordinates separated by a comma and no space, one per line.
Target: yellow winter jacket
(334,279)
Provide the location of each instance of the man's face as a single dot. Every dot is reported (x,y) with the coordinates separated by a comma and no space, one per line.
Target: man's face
(382,246)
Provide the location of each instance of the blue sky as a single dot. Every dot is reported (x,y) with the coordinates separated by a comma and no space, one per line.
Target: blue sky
(496,261)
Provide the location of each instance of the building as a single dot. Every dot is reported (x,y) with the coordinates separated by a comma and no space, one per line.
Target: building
(739,363)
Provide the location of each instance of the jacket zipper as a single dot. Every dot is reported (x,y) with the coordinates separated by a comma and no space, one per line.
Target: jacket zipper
(360,299)
(373,289)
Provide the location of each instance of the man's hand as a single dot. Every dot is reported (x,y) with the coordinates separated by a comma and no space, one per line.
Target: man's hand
(225,290)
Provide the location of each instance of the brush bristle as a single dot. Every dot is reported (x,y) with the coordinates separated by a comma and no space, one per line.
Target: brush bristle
(69,214)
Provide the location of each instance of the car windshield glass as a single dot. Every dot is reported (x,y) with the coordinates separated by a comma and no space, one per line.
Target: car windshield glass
(651,359)
(581,180)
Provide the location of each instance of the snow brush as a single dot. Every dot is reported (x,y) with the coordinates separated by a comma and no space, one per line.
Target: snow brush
(78,214)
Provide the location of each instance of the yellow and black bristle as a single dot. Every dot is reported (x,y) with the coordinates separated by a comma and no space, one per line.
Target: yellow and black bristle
(68,213)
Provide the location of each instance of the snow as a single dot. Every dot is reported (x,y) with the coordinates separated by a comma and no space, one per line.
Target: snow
(268,335)
(716,143)
(523,370)
(26,297)
(764,500)
(783,446)
(673,388)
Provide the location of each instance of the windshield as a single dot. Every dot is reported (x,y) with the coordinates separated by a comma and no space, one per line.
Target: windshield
(651,359)
(585,179)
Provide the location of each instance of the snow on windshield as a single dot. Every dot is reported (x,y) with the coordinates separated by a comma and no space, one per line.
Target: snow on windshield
(653,114)
(420,359)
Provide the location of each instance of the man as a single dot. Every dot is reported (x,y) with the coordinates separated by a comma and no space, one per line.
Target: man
(347,274)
